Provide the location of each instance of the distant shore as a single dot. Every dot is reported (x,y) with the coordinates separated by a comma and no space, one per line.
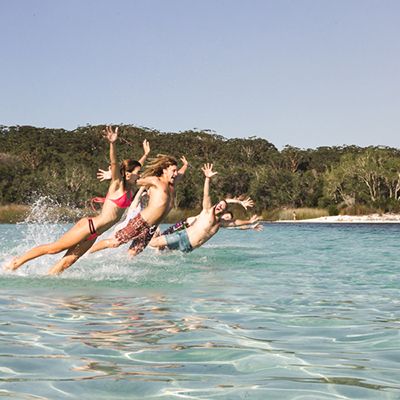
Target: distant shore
(15,213)
(350,219)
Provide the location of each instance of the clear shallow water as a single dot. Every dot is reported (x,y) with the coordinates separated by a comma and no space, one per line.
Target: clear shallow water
(293,312)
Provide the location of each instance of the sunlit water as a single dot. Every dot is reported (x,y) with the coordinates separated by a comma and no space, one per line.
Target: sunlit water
(293,312)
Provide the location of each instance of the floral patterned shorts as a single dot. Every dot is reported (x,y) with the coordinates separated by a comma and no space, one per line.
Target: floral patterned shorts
(137,230)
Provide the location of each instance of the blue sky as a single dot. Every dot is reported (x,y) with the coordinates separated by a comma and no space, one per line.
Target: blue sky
(299,72)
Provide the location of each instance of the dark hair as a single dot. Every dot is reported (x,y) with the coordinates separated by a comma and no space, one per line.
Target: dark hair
(228,212)
(128,166)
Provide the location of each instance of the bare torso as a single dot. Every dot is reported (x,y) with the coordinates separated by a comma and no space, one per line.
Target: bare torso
(161,200)
(110,212)
(204,228)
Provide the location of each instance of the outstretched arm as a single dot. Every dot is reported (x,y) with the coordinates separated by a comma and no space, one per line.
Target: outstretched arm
(208,173)
(146,152)
(182,170)
(147,182)
(112,137)
(239,222)
(257,227)
(244,202)
(104,175)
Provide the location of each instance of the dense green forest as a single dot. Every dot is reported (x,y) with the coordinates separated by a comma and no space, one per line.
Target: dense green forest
(62,164)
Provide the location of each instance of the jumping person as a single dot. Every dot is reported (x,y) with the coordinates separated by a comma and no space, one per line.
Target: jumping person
(81,237)
(141,198)
(189,221)
(159,179)
(205,225)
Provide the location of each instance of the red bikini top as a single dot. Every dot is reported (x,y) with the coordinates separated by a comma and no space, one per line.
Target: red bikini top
(122,202)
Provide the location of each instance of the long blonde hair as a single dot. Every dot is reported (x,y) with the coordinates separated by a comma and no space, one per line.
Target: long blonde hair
(156,165)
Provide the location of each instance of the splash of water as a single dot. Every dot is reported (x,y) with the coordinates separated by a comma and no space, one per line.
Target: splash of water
(46,223)
(45,210)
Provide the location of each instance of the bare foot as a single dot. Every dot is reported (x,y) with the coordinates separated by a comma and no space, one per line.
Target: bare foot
(12,265)
(56,270)
(132,253)
(53,272)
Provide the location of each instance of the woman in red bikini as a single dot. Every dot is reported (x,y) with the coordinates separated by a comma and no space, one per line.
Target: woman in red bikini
(81,237)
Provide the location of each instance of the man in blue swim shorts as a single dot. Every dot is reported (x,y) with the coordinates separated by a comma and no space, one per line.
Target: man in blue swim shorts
(205,225)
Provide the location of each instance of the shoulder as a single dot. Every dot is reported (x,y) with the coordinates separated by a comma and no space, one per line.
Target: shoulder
(149,180)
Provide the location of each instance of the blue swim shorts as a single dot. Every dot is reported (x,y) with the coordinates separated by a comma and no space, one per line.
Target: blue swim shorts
(179,241)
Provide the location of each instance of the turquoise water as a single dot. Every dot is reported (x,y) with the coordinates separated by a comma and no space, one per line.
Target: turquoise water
(293,312)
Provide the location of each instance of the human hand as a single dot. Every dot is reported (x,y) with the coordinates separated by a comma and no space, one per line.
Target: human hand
(103,175)
(246,203)
(111,135)
(257,227)
(184,161)
(207,170)
(254,218)
(146,147)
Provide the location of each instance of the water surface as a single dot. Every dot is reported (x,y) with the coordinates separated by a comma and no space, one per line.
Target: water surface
(293,312)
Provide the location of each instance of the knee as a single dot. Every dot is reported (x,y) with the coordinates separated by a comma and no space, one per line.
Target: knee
(114,244)
(63,265)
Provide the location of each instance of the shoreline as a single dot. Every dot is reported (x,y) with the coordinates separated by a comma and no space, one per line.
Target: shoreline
(349,219)
(17,213)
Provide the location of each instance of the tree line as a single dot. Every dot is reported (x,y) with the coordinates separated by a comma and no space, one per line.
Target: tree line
(63,164)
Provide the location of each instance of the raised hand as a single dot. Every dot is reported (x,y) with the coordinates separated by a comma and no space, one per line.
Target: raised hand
(111,135)
(207,170)
(184,161)
(246,203)
(146,147)
(254,218)
(103,175)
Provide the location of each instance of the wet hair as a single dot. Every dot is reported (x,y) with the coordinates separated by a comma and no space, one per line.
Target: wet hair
(128,166)
(158,164)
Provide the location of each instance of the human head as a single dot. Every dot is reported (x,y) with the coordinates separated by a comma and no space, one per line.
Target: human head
(170,173)
(129,170)
(162,165)
(227,216)
(221,207)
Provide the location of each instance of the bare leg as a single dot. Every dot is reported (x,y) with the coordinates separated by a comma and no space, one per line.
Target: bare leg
(38,251)
(105,244)
(71,256)
(76,234)
(158,242)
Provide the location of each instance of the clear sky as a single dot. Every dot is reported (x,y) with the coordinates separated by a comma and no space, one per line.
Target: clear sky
(303,72)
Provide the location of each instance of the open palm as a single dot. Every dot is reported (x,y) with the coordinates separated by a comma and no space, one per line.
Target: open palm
(207,170)
(111,135)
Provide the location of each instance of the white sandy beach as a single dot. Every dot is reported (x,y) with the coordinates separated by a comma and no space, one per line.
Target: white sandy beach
(369,219)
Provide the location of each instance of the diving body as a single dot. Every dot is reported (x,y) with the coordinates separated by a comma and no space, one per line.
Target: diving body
(81,237)
(159,179)
(204,226)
